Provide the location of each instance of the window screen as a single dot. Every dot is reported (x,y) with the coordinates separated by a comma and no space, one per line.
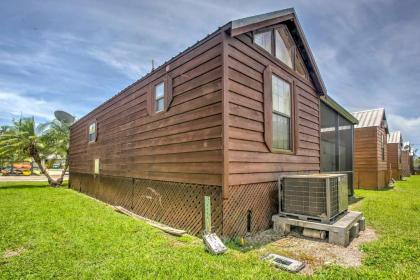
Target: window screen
(159,97)
(282,107)
(336,141)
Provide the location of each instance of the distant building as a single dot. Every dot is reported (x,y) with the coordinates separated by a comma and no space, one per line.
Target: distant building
(394,147)
(370,150)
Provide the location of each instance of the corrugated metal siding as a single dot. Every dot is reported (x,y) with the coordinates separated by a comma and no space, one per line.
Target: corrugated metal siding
(394,137)
(369,118)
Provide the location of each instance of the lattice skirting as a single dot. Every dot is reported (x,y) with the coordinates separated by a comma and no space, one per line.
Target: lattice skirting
(249,208)
(180,205)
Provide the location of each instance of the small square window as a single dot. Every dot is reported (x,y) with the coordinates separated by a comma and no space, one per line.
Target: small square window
(92,132)
(159,97)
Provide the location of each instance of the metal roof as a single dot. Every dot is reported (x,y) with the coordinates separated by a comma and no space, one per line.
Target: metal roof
(339,109)
(370,118)
(394,137)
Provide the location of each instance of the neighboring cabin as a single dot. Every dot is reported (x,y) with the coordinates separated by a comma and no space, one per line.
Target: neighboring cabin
(394,148)
(370,150)
(405,160)
(226,118)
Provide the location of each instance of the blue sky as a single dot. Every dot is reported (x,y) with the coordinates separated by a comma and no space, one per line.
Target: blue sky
(74,55)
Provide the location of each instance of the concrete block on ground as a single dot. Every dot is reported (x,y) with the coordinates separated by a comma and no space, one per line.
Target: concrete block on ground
(362,224)
(281,228)
(341,238)
(339,232)
(354,230)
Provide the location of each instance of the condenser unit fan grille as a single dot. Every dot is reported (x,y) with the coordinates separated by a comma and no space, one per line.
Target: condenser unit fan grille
(305,197)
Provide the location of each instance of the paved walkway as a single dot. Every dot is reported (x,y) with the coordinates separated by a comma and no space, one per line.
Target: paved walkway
(40,178)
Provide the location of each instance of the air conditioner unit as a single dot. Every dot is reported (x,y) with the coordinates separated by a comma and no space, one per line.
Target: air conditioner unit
(317,197)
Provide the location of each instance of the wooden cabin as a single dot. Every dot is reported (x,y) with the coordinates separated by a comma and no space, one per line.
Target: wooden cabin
(394,149)
(405,160)
(370,150)
(225,119)
(337,140)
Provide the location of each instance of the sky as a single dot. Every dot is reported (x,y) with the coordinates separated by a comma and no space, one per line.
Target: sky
(74,55)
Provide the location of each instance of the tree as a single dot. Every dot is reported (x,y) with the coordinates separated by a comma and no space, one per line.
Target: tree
(23,138)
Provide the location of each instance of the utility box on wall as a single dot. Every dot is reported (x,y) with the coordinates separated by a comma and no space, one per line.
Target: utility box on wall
(316,197)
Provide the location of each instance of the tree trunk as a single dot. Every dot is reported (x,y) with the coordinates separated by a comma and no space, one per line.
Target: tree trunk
(35,155)
(66,166)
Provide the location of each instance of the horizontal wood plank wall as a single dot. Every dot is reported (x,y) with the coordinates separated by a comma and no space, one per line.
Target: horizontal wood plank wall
(370,171)
(250,160)
(405,164)
(365,149)
(394,164)
(382,163)
(182,144)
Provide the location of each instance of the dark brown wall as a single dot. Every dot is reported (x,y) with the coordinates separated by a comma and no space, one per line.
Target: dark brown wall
(250,160)
(370,171)
(183,144)
(394,165)
(205,134)
(405,164)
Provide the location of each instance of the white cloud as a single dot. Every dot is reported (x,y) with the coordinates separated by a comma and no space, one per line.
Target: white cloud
(14,104)
(409,127)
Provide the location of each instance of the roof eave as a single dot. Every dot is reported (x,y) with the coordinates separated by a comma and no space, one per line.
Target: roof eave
(244,25)
(340,109)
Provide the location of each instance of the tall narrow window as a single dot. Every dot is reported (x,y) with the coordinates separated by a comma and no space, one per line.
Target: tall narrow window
(282,111)
(92,132)
(159,97)
(264,40)
(383,147)
(283,46)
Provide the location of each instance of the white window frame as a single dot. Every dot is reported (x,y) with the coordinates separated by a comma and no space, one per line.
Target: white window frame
(157,99)
(92,133)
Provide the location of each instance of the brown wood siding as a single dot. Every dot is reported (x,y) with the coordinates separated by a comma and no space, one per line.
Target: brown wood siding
(182,144)
(250,160)
(370,171)
(405,164)
(394,165)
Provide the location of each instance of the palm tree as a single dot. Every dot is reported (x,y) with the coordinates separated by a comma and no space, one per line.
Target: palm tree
(24,138)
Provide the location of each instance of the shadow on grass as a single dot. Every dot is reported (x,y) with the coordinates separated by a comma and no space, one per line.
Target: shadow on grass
(22,186)
(353,199)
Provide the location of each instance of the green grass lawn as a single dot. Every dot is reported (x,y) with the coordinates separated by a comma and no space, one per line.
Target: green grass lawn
(59,233)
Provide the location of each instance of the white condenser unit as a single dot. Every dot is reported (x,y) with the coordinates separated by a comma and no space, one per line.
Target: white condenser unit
(316,197)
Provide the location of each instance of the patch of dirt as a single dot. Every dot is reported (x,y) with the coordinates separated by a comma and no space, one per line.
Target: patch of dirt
(13,253)
(313,252)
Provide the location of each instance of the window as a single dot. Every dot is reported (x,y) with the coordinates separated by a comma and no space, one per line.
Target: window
(283,47)
(264,40)
(383,147)
(279,43)
(96,166)
(92,132)
(282,111)
(159,97)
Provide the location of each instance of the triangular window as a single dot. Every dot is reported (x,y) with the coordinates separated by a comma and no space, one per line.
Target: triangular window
(279,43)
(284,45)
